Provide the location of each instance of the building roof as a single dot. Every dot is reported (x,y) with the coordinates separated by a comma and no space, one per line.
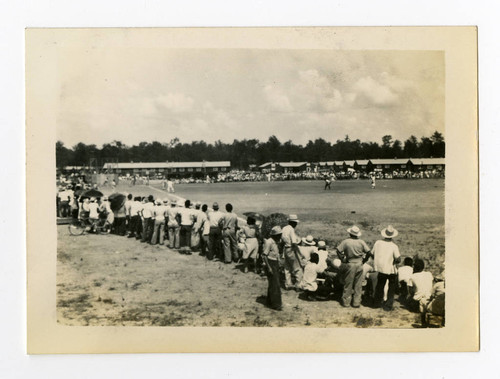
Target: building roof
(362,162)
(390,161)
(349,163)
(292,164)
(153,165)
(428,161)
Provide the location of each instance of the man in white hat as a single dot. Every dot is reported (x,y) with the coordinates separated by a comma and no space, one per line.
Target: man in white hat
(385,256)
(352,251)
(307,247)
(293,268)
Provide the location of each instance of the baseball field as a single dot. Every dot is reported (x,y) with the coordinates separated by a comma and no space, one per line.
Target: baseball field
(111,280)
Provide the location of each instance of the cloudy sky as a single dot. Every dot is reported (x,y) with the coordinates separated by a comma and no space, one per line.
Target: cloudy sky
(135,95)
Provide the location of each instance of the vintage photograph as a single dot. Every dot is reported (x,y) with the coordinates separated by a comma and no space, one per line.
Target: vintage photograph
(311,187)
(248,187)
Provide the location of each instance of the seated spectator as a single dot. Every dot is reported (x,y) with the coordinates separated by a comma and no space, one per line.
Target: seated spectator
(323,255)
(306,247)
(434,312)
(404,274)
(421,286)
(308,283)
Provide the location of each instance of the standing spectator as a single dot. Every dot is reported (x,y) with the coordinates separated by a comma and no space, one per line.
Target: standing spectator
(385,256)
(147,219)
(307,247)
(352,251)
(160,211)
(128,206)
(187,221)
(215,235)
(271,256)
(120,221)
(135,218)
(251,248)
(195,232)
(173,225)
(204,230)
(293,269)
(229,224)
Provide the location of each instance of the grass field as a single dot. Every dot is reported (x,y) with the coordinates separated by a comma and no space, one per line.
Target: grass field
(111,280)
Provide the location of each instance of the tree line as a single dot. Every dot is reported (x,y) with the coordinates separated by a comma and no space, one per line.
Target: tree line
(243,153)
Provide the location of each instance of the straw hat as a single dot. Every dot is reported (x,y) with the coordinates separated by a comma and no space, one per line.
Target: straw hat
(158,202)
(165,201)
(354,231)
(309,240)
(321,245)
(275,230)
(293,218)
(173,202)
(389,232)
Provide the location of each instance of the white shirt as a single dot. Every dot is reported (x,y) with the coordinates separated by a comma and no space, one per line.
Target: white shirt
(214,218)
(147,210)
(385,252)
(160,211)
(171,213)
(187,216)
(93,207)
(404,273)
(289,237)
(135,207)
(422,284)
(323,255)
(307,250)
(310,275)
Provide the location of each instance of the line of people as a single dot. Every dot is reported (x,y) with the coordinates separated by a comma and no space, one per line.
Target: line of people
(352,271)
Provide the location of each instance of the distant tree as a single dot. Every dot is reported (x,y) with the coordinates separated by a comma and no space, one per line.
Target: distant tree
(411,148)
(64,156)
(438,145)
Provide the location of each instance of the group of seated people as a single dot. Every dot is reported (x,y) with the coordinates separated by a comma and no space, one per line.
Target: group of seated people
(356,274)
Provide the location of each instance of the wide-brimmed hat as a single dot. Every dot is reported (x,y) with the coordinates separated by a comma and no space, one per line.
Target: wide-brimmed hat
(276,230)
(293,218)
(105,198)
(165,201)
(158,202)
(309,240)
(354,231)
(321,244)
(173,202)
(389,232)
(215,205)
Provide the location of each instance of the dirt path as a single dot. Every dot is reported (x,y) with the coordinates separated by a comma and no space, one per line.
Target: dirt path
(111,280)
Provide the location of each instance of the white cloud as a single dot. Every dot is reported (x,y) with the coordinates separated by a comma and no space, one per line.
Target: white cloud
(276,99)
(316,92)
(374,92)
(175,102)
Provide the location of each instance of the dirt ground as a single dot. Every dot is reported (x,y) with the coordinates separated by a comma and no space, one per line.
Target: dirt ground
(112,280)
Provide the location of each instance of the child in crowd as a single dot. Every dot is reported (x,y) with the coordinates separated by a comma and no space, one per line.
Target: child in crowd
(434,312)
(308,283)
(421,286)
(404,274)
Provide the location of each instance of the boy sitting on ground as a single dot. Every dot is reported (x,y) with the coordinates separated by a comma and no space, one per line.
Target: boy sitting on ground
(421,287)
(404,274)
(308,283)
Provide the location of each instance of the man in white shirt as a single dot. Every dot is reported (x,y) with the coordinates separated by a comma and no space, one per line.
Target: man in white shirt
(421,283)
(147,219)
(290,240)
(215,234)
(385,256)
(173,225)
(187,220)
(159,211)
(135,218)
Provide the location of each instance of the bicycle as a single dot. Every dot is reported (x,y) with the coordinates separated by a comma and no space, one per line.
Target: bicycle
(83,225)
